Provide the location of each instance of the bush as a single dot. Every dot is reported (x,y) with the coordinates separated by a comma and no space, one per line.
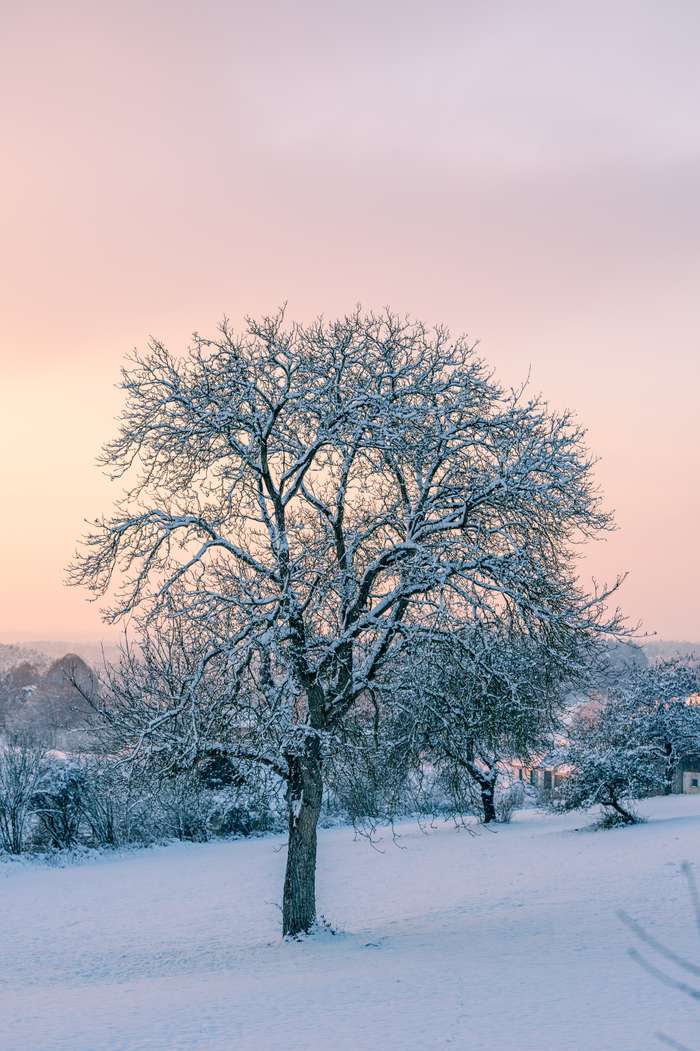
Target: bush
(212,800)
(508,800)
(183,802)
(109,803)
(22,769)
(54,802)
(57,804)
(613,819)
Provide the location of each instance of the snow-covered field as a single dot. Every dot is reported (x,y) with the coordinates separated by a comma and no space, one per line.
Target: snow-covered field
(507,941)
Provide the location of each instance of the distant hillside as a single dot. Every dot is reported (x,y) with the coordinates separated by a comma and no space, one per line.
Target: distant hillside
(42,651)
(624,654)
(659,649)
(14,654)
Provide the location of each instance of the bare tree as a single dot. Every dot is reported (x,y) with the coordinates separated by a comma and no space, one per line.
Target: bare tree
(300,498)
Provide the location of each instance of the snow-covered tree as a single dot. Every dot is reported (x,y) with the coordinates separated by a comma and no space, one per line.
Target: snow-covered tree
(610,762)
(476,697)
(627,744)
(299,500)
(656,698)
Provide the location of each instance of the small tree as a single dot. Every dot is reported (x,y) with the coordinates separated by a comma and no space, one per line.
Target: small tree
(481,695)
(628,743)
(301,499)
(611,760)
(656,699)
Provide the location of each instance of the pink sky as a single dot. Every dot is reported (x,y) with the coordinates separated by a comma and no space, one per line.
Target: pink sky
(526,172)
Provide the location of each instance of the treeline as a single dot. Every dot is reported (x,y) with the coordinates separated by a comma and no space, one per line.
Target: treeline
(446,733)
(53,801)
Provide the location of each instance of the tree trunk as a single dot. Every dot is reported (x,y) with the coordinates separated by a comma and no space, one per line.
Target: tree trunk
(487,788)
(628,818)
(487,801)
(304,794)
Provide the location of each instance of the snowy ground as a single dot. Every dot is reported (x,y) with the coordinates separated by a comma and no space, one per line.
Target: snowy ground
(508,941)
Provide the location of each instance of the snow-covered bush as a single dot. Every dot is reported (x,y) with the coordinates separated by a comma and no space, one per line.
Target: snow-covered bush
(50,801)
(614,819)
(22,768)
(508,800)
(242,799)
(127,804)
(56,804)
(113,804)
(184,806)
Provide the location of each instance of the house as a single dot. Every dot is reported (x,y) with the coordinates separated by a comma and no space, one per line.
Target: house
(545,774)
(686,777)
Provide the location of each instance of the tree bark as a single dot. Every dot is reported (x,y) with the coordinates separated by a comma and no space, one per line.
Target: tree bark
(304,795)
(487,801)
(628,818)
(487,788)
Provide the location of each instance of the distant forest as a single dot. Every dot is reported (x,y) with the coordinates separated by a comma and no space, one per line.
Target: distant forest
(38,696)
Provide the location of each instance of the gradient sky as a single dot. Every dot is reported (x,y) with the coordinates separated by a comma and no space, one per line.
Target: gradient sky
(526,172)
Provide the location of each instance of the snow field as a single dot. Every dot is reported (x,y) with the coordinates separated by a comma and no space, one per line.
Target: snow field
(504,941)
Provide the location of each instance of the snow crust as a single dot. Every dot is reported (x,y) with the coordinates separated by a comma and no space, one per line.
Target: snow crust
(505,941)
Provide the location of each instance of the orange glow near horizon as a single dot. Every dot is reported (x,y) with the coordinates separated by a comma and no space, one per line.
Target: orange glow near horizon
(525,173)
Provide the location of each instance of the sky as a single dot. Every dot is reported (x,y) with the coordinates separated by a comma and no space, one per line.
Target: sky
(526,172)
